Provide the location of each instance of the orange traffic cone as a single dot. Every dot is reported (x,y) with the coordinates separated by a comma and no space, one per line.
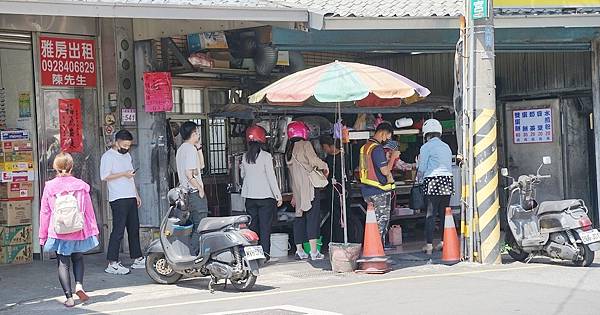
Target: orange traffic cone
(373,259)
(451,250)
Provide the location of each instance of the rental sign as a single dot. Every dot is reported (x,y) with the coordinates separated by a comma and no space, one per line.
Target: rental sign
(68,62)
(545,3)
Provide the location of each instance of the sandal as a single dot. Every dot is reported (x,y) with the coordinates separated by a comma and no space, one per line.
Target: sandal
(69,303)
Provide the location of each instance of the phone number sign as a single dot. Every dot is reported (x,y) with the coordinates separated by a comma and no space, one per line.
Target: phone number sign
(532,126)
(68,62)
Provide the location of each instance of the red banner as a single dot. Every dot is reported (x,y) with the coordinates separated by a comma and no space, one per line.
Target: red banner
(71,125)
(68,61)
(158,92)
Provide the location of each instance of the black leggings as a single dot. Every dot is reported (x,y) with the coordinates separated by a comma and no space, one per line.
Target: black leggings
(64,274)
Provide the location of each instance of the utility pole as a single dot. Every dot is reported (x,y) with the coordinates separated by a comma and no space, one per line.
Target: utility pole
(484,226)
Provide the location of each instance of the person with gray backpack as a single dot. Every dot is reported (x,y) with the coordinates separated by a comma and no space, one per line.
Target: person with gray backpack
(68,225)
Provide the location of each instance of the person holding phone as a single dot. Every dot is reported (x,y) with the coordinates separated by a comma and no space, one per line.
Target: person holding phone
(116,169)
(189,172)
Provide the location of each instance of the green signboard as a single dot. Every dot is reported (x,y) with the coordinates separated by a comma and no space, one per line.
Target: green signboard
(479,9)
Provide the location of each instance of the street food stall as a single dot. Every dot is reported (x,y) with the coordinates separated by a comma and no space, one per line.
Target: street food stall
(409,139)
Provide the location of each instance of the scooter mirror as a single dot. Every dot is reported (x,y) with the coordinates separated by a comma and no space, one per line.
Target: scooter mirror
(547,160)
(504,172)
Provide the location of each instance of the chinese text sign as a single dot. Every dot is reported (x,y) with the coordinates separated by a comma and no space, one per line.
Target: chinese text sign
(68,62)
(532,126)
(158,92)
(71,125)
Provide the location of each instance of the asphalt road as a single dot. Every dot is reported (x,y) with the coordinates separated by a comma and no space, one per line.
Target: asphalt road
(414,287)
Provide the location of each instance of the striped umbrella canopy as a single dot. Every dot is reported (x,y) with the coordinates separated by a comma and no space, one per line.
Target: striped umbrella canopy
(342,82)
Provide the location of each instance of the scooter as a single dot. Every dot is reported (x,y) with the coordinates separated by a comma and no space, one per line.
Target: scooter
(228,249)
(556,229)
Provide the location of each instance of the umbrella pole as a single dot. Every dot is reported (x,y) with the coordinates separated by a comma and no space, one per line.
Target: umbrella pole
(343,167)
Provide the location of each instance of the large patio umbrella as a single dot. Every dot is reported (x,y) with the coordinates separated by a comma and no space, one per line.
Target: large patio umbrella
(342,84)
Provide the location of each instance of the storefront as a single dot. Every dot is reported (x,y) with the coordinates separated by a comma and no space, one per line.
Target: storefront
(49,77)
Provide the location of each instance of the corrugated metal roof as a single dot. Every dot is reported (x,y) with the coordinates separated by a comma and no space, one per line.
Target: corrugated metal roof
(381,8)
(199,3)
(415,8)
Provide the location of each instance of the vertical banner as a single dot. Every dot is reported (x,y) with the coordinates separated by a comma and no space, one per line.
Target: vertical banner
(24,104)
(158,92)
(71,125)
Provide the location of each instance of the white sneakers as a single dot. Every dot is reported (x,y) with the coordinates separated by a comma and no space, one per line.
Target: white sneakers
(139,263)
(301,255)
(116,268)
(316,256)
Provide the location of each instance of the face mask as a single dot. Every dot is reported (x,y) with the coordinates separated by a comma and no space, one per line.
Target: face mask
(123,151)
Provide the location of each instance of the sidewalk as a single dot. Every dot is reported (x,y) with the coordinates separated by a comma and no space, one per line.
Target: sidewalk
(37,283)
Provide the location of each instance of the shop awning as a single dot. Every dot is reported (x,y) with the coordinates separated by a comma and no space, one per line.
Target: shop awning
(248,10)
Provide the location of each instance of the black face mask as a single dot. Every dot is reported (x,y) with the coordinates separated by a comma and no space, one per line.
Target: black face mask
(123,151)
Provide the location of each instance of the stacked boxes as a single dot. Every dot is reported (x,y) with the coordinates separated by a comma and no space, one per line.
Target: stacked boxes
(16,194)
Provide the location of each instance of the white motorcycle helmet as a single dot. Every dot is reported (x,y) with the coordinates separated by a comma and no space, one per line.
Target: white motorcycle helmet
(431,126)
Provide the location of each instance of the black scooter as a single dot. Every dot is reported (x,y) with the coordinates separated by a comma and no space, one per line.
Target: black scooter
(228,249)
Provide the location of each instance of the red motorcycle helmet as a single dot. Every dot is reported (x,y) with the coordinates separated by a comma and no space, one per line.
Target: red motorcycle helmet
(256,133)
(297,129)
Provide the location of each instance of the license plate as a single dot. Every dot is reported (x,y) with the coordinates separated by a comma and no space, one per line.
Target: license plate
(590,236)
(254,252)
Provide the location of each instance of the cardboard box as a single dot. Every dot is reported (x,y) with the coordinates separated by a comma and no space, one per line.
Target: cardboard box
(15,235)
(20,176)
(17,146)
(18,254)
(16,190)
(220,59)
(15,212)
(208,40)
(16,156)
(16,166)
(11,135)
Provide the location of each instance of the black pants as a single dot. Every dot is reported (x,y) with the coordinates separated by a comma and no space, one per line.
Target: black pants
(262,211)
(436,205)
(64,273)
(125,215)
(307,226)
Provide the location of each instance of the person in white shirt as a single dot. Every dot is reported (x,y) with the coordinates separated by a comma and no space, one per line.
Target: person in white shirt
(260,187)
(116,169)
(190,177)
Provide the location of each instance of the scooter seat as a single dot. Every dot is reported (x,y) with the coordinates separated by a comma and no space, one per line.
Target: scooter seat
(214,224)
(558,206)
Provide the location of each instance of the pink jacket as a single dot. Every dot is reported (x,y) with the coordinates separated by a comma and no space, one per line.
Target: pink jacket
(82,193)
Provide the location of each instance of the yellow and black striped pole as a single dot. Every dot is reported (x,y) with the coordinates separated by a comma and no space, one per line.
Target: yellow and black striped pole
(485,199)
(486,185)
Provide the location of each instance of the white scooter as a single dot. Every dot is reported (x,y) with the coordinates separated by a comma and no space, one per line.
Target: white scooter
(556,229)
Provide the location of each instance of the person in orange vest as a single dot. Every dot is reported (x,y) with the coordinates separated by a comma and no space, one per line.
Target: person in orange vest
(376,174)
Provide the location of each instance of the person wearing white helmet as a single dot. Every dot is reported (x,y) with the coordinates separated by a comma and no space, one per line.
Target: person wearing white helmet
(434,172)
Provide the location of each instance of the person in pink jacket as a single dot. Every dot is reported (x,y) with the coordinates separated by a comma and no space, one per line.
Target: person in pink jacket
(69,247)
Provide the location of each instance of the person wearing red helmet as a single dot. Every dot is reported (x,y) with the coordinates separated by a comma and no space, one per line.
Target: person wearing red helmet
(260,188)
(300,157)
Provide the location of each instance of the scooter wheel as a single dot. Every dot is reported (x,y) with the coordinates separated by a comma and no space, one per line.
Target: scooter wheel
(244,284)
(588,256)
(159,270)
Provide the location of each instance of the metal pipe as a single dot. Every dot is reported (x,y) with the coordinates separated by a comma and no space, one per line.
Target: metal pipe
(470,113)
(343,167)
